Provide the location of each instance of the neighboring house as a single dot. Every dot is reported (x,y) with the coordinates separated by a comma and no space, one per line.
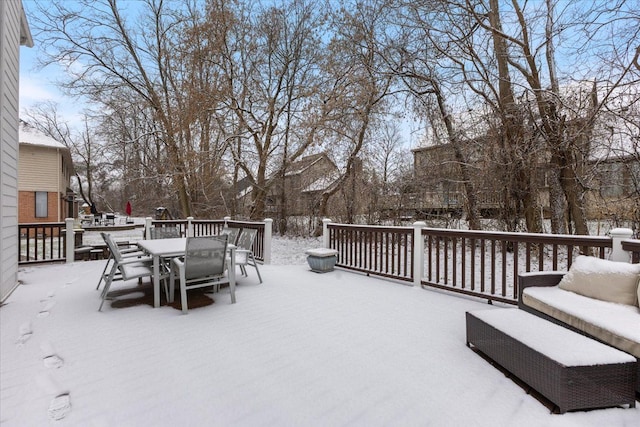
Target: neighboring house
(613,184)
(297,193)
(304,182)
(14,32)
(615,188)
(438,187)
(44,176)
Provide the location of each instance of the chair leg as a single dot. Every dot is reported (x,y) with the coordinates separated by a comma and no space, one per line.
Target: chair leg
(183,291)
(104,271)
(172,285)
(107,286)
(255,264)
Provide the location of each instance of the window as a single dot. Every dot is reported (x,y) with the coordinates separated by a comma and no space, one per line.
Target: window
(42,204)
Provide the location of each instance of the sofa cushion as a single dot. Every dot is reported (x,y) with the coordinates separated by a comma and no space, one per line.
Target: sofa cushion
(615,324)
(603,279)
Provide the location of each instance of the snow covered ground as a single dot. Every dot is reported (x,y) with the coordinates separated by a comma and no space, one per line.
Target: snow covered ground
(301,349)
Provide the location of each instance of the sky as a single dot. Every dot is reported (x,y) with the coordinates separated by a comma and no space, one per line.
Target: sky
(39,85)
(300,349)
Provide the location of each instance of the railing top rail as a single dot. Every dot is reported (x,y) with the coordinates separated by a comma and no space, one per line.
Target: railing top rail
(564,239)
(246,223)
(370,227)
(631,245)
(41,224)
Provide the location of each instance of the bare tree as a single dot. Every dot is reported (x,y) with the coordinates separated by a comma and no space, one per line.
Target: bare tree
(270,64)
(109,44)
(362,85)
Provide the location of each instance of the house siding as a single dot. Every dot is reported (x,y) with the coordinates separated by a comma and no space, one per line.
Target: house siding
(42,169)
(9,51)
(39,169)
(11,14)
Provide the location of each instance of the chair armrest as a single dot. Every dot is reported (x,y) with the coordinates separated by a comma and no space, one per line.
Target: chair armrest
(539,278)
(129,249)
(134,260)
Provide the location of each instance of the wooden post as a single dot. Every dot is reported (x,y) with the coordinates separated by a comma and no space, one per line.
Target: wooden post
(70,239)
(325,232)
(418,253)
(268,231)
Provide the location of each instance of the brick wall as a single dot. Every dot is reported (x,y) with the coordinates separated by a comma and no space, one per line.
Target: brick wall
(27,207)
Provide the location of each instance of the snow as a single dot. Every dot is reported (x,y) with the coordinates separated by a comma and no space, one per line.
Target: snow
(300,349)
(552,340)
(30,135)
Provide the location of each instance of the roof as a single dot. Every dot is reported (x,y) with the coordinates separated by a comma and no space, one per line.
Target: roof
(305,163)
(32,136)
(322,183)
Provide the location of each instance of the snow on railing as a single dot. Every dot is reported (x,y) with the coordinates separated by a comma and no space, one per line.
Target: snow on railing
(479,263)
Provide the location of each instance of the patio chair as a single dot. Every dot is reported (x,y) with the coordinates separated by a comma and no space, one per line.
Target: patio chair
(165,232)
(244,251)
(232,234)
(129,252)
(204,264)
(125,268)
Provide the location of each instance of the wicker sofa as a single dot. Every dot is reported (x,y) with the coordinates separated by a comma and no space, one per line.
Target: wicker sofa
(547,295)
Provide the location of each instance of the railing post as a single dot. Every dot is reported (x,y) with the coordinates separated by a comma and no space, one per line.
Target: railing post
(148,223)
(268,230)
(325,232)
(226,219)
(418,253)
(189,230)
(70,240)
(617,236)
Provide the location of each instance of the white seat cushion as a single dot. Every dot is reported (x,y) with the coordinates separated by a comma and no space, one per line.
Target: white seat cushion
(616,324)
(604,280)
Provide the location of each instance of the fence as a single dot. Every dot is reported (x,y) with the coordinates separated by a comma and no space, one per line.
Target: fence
(47,242)
(478,263)
(41,242)
(193,227)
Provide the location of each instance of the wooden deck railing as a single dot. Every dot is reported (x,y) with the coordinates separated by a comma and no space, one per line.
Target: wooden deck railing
(207,227)
(487,264)
(41,242)
(384,251)
(478,263)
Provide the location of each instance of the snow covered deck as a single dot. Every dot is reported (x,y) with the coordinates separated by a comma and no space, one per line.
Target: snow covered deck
(300,349)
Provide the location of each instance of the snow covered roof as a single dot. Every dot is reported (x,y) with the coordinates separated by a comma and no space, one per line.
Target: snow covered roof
(322,183)
(30,135)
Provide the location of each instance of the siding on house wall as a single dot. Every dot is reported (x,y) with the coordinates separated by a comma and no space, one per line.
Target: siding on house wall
(42,169)
(10,14)
(39,169)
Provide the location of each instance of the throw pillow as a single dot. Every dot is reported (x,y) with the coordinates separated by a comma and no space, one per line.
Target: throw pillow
(603,279)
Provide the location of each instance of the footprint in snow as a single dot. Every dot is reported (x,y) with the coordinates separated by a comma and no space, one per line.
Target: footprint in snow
(24,333)
(50,358)
(59,407)
(46,308)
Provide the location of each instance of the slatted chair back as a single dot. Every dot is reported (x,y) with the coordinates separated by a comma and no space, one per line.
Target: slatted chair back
(246,239)
(165,232)
(232,232)
(205,256)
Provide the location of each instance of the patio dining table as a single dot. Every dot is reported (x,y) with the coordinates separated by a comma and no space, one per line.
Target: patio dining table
(171,248)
